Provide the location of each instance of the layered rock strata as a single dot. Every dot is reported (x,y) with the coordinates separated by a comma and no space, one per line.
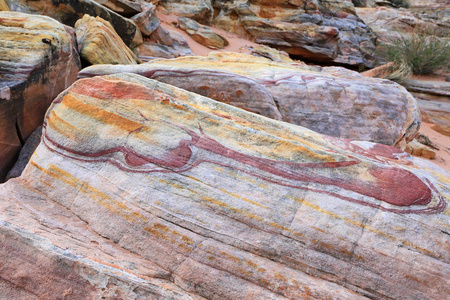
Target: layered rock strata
(68,12)
(38,60)
(202,34)
(332,101)
(142,189)
(323,31)
(100,44)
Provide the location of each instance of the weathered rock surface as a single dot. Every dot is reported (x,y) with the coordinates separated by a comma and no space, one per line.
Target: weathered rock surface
(324,31)
(69,11)
(429,87)
(333,101)
(202,34)
(390,23)
(99,43)
(417,149)
(180,195)
(123,7)
(267,52)
(25,153)
(147,21)
(148,51)
(38,60)
(436,112)
(163,44)
(4,6)
(199,10)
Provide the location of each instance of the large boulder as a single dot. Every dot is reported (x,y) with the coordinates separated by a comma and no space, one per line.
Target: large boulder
(199,10)
(69,11)
(332,101)
(147,21)
(38,60)
(390,23)
(122,7)
(202,34)
(99,43)
(142,190)
(163,44)
(322,31)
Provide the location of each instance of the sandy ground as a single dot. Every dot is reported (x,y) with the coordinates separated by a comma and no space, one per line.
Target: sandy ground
(442,142)
(431,77)
(235,42)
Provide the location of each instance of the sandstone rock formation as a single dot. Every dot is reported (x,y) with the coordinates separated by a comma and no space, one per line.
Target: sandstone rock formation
(163,43)
(389,23)
(123,7)
(324,31)
(140,190)
(202,34)
(4,6)
(332,101)
(38,60)
(267,52)
(199,10)
(68,12)
(147,21)
(417,149)
(99,43)
(25,153)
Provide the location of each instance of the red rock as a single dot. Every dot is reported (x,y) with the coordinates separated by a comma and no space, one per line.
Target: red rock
(38,61)
(333,101)
(141,190)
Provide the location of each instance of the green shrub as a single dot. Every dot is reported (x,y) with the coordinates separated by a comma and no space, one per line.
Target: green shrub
(400,3)
(418,53)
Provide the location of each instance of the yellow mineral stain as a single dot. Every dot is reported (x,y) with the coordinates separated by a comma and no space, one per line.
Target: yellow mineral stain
(243,198)
(95,194)
(318,229)
(175,185)
(231,257)
(172,236)
(413,278)
(218,169)
(356,223)
(100,115)
(250,263)
(61,126)
(263,186)
(280,277)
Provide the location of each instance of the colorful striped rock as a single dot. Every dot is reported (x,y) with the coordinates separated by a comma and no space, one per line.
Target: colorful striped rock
(99,43)
(38,60)
(140,189)
(332,101)
(69,11)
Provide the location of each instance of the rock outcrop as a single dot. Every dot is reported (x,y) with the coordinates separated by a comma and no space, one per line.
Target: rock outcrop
(38,60)
(199,10)
(25,153)
(322,31)
(123,7)
(163,44)
(99,43)
(202,34)
(69,11)
(140,189)
(332,101)
(147,21)
(390,23)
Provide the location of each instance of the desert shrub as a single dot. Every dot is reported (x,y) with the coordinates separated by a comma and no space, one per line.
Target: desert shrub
(400,3)
(419,53)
